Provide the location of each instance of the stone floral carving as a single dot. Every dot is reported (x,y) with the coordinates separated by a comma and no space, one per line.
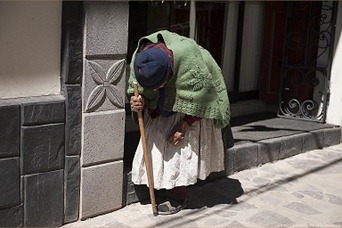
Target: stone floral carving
(105,88)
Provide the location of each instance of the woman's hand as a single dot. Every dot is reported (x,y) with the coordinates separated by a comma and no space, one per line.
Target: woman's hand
(137,103)
(178,133)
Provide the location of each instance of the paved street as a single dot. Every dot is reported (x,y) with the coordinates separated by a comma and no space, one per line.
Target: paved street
(300,191)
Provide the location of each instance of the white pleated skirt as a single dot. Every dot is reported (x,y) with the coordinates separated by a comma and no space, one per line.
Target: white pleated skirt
(199,154)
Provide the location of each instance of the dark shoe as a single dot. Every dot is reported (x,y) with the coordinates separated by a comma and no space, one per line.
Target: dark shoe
(171,206)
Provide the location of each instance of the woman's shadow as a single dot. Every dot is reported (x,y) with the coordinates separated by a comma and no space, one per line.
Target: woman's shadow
(219,191)
(207,193)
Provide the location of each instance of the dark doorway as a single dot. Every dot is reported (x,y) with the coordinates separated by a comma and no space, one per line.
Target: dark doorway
(295,69)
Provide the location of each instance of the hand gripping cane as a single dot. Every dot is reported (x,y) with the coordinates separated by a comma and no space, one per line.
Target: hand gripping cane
(147,158)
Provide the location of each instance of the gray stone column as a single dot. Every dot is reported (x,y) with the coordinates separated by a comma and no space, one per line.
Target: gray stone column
(103,113)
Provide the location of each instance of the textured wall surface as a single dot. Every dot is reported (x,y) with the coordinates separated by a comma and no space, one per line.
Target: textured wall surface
(103,99)
(32,161)
(51,171)
(72,71)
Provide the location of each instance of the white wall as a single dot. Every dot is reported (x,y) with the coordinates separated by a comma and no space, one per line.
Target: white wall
(30,37)
(334,111)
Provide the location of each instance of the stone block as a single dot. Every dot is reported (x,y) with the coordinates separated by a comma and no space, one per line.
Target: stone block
(21,188)
(101,189)
(246,156)
(10,130)
(106,27)
(73,122)
(42,112)
(290,146)
(103,137)
(72,42)
(268,151)
(312,140)
(9,182)
(12,216)
(42,148)
(332,136)
(43,202)
(72,70)
(104,85)
(229,160)
(72,174)
(72,11)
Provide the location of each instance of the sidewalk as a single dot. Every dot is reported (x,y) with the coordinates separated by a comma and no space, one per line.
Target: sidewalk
(301,191)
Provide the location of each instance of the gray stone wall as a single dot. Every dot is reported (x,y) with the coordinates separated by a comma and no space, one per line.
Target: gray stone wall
(32,161)
(61,157)
(103,111)
(40,143)
(71,78)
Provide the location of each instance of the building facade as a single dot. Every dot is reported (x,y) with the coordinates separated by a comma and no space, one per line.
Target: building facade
(66,136)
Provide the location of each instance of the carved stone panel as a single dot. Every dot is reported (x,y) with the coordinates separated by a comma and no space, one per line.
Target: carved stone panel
(104,85)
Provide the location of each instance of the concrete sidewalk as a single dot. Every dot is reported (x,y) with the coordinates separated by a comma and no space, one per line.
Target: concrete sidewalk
(301,191)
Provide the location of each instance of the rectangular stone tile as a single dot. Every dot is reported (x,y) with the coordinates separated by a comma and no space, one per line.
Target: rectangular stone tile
(73,123)
(101,189)
(103,137)
(41,112)
(268,150)
(9,182)
(104,85)
(42,148)
(290,146)
(332,136)
(246,156)
(10,130)
(72,174)
(72,42)
(21,188)
(106,27)
(43,203)
(72,11)
(12,216)
(229,160)
(312,140)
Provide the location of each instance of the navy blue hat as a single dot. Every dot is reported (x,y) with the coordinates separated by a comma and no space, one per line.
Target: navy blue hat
(152,67)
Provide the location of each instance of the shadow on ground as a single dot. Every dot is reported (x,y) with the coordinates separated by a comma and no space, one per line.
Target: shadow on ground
(207,194)
(221,191)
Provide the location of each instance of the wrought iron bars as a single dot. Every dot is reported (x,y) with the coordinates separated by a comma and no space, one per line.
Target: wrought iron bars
(307,57)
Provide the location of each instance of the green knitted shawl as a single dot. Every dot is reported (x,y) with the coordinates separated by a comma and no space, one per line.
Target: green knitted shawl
(197,87)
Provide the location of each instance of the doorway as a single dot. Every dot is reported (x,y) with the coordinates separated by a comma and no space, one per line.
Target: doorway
(296,60)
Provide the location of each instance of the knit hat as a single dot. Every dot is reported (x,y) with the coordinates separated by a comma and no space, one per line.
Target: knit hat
(152,67)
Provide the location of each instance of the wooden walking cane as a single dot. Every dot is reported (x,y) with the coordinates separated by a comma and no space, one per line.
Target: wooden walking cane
(146,156)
